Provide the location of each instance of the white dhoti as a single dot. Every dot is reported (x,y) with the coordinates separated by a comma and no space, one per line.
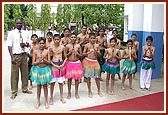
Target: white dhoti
(145,78)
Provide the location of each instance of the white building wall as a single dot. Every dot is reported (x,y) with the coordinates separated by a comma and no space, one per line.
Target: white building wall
(147,17)
(138,10)
(158,15)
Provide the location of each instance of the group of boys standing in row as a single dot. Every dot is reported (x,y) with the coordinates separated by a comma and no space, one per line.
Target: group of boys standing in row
(75,56)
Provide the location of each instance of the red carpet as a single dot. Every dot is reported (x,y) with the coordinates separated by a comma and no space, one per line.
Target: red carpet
(151,102)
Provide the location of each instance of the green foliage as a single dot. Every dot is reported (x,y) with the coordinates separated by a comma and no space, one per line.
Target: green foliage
(6,17)
(17,13)
(102,15)
(45,18)
(24,9)
(31,18)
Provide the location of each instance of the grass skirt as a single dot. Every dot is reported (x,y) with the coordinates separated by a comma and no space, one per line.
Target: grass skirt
(91,68)
(41,75)
(128,67)
(110,67)
(74,70)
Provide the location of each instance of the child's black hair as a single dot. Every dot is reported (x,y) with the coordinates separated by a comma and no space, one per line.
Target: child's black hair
(57,35)
(73,34)
(91,34)
(133,35)
(149,38)
(66,29)
(41,39)
(49,33)
(114,31)
(113,38)
(129,41)
(84,25)
(34,35)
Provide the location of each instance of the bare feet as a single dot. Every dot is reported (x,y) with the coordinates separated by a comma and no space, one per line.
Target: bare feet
(62,100)
(90,95)
(122,87)
(51,101)
(77,96)
(100,94)
(46,105)
(69,96)
(37,105)
(131,87)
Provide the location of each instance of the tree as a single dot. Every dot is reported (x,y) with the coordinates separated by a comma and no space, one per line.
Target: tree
(31,18)
(24,9)
(6,17)
(102,15)
(17,13)
(45,21)
(59,17)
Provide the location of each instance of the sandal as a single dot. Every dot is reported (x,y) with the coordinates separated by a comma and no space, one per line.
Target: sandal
(28,92)
(13,97)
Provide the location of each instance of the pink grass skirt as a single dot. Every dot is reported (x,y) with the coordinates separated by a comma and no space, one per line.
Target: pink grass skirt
(74,70)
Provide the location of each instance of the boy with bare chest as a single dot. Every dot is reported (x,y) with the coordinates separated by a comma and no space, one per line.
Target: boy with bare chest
(34,46)
(147,64)
(91,65)
(136,46)
(128,66)
(49,41)
(58,69)
(40,71)
(111,66)
(102,41)
(74,68)
(83,38)
(66,39)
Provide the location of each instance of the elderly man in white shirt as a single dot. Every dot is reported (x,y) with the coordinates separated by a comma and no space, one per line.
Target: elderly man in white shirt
(18,42)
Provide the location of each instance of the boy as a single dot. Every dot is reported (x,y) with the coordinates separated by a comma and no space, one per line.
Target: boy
(91,65)
(74,70)
(147,64)
(136,46)
(111,66)
(57,68)
(129,66)
(102,41)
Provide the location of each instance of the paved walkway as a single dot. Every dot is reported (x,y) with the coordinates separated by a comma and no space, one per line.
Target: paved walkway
(26,102)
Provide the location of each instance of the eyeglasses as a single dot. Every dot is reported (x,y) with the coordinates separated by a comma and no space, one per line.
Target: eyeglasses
(73,37)
(41,43)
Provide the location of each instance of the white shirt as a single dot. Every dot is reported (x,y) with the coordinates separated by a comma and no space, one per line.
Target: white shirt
(109,36)
(13,40)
